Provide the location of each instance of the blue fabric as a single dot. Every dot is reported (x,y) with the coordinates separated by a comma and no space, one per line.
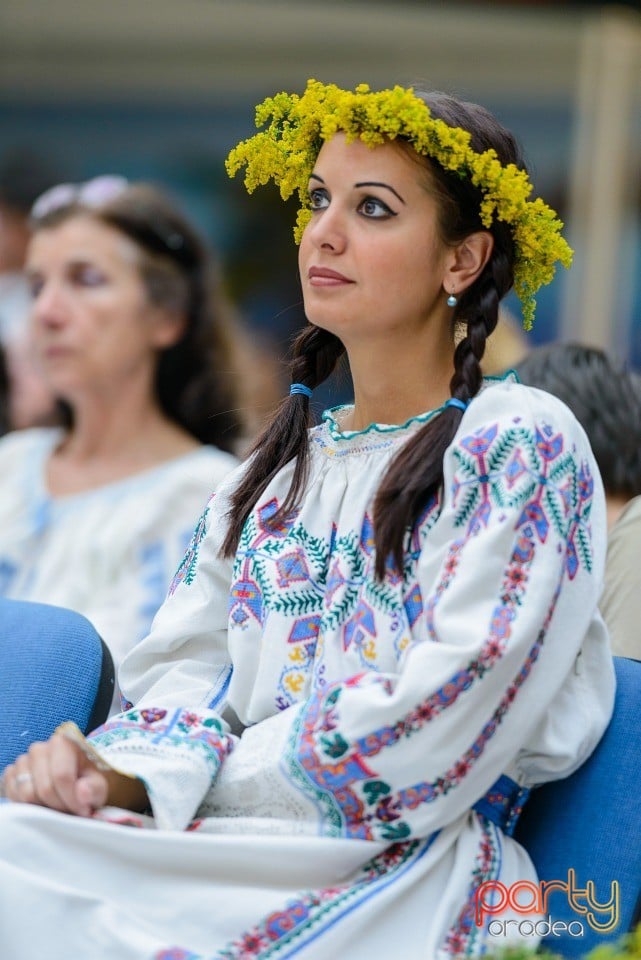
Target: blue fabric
(591,823)
(503,803)
(51,662)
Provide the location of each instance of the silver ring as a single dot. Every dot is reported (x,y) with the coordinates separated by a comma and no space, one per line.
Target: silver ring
(23,778)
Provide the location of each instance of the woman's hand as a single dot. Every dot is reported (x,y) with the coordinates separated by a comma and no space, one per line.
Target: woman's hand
(58,774)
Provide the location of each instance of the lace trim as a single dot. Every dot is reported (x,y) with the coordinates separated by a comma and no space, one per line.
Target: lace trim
(339,443)
(332,419)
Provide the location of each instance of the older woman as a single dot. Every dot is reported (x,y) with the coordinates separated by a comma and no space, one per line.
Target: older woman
(133,341)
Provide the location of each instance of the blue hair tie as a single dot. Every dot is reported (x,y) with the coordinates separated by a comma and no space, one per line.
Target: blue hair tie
(455,402)
(300,388)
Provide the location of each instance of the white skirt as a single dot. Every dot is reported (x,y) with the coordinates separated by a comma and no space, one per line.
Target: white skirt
(86,888)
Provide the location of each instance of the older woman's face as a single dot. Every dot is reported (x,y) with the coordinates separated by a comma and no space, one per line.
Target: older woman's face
(93,325)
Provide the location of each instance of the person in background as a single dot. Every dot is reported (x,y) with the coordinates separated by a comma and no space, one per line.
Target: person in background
(4,393)
(23,177)
(605,397)
(132,337)
(620,601)
(383,621)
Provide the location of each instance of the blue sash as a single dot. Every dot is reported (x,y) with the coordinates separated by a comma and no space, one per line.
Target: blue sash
(503,803)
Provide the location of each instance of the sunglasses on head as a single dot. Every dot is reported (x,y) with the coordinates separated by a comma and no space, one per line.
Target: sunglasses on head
(92,193)
(157,235)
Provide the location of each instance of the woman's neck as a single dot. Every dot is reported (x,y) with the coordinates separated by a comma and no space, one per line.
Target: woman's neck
(112,441)
(394,383)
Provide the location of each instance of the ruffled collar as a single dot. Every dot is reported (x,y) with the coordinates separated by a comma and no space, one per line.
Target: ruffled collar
(339,442)
(334,418)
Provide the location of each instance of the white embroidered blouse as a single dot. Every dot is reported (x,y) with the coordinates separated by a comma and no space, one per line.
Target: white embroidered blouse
(383,710)
(109,553)
(315,742)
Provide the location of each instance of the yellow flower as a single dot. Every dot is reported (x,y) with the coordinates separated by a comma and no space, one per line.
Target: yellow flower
(286,151)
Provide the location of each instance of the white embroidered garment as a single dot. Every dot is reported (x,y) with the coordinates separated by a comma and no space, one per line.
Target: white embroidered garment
(108,553)
(340,821)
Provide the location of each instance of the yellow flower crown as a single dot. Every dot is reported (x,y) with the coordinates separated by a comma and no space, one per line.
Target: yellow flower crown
(286,152)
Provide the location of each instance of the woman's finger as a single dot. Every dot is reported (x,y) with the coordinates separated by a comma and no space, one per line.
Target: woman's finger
(78,785)
(91,790)
(61,775)
(58,775)
(18,781)
(51,780)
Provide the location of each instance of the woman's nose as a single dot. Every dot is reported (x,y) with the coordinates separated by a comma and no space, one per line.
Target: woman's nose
(48,305)
(328,230)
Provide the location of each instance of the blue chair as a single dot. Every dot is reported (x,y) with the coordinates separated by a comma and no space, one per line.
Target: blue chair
(590,823)
(54,666)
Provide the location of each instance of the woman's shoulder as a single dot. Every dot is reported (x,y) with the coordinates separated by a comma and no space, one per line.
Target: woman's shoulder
(508,419)
(205,460)
(508,403)
(19,443)
(190,477)
(514,442)
(157,503)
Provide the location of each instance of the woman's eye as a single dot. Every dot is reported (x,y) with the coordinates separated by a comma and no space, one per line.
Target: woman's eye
(318,199)
(372,207)
(88,276)
(35,286)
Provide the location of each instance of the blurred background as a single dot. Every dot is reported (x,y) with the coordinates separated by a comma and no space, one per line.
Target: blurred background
(162,89)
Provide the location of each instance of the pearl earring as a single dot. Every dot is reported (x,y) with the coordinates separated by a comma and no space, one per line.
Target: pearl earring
(451,300)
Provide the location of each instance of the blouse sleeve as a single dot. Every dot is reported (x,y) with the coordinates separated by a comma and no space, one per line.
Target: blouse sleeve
(184,660)
(509,576)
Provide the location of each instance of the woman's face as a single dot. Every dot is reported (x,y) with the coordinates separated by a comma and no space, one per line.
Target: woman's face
(94,327)
(371,260)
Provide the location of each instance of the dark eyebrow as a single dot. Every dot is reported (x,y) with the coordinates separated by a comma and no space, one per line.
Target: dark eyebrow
(386,186)
(366,183)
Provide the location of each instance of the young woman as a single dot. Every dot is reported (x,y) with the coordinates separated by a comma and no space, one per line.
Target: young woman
(384,631)
(134,344)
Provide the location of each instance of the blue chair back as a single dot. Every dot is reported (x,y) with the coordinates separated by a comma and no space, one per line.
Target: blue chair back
(54,667)
(587,828)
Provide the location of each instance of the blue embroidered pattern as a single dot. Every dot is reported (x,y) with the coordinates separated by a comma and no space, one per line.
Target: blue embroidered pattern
(187,568)
(528,474)
(284,933)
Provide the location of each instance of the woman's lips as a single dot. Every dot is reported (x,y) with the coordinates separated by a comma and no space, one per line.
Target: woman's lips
(324,277)
(53,352)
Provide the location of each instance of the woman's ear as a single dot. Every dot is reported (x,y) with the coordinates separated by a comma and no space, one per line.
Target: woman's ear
(168,328)
(467,261)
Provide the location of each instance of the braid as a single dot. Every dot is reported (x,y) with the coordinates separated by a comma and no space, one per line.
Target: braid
(415,474)
(315,353)
(480,306)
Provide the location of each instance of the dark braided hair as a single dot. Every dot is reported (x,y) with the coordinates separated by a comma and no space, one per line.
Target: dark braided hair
(416,472)
(315,353)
